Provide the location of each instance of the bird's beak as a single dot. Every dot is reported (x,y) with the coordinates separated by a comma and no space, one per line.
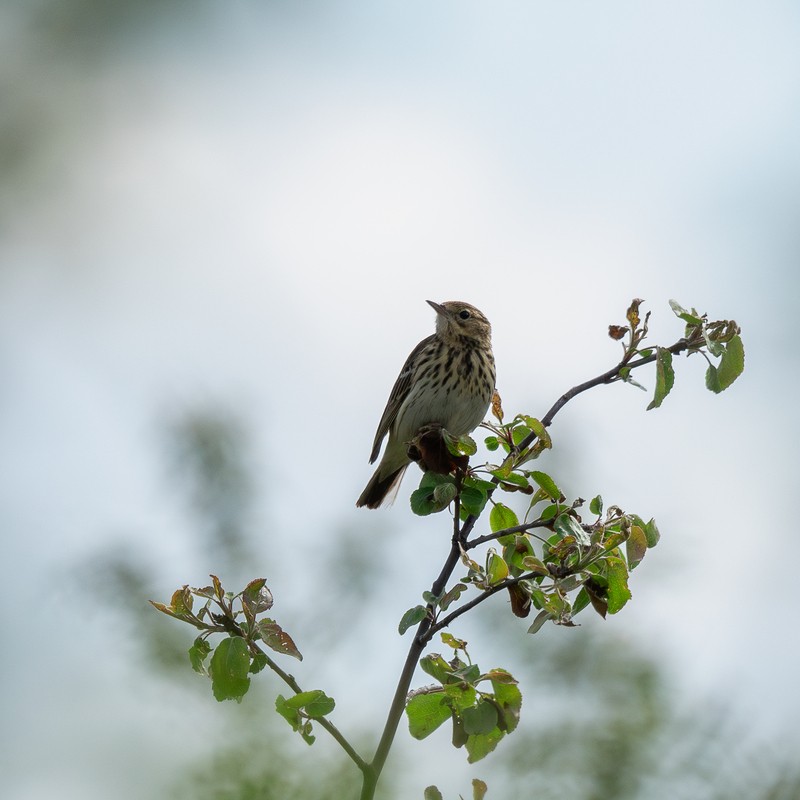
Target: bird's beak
(439,309)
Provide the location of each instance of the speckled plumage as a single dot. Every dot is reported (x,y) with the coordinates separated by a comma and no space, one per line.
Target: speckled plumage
(448,379)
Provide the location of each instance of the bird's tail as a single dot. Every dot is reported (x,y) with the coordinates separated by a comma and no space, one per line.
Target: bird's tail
(380,488)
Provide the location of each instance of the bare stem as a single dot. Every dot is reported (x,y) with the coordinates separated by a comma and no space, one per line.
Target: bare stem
(611,376)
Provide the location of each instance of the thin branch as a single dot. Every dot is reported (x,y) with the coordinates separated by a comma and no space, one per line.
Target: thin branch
(395,713)
(476,601)
(414,652)
(526,526)
(611,376)
(322,721)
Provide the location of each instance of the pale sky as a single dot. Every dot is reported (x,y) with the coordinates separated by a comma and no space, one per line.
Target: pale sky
(251,209)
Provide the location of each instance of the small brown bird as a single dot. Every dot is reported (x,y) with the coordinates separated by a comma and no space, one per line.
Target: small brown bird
(447,380)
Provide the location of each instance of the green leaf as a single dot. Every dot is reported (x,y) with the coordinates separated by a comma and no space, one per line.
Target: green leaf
(501,677)
(451,596)
(423,501)
(596,505)
(290,711)
(635,546)
(618,593)
(444,494)
(426,712)
(550,512)
(198,653)
(452,641)
(462,695)
(499,471)
(567,525)
(548,484)
(665,377)
(432,793)
(536,426)
(469,673)
(496,569)
(480,745)
(479,483)
(492,443)
(715,347)
(513,481)
(258,663)
(540,620)
(436,667)
(712,380)
(581,601)
(276,638)
(229,668)
(516,548)
(479,719)
(315,703)
(466,444)
(473,500)
(502,517)
(533,564)
(519,434)
(731,365)
(682,313)
(508,697)
(652,534)
(412,617)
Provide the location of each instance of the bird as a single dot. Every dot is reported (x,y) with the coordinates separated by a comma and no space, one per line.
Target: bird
(448,380)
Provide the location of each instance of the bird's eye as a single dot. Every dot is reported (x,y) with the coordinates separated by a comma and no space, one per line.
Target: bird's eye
(464,314)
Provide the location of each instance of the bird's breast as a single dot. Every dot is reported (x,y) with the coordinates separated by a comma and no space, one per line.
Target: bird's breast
(453,391)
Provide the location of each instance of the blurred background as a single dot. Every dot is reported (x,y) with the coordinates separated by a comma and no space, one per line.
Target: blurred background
(218,227)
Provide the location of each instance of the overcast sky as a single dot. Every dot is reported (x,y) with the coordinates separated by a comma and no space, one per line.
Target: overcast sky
(250,208)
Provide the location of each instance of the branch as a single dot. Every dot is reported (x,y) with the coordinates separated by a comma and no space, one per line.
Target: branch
(476,601)
(611,376)
(322,721)
(526,526)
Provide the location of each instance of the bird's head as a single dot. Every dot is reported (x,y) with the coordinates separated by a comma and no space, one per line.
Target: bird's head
(456,319)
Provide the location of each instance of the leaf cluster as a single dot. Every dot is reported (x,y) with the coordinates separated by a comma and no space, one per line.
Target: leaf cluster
(240,654)
(717,341)
(482,707)
(239,617)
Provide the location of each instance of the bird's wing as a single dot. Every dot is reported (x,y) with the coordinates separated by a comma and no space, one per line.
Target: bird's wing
(398,395)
